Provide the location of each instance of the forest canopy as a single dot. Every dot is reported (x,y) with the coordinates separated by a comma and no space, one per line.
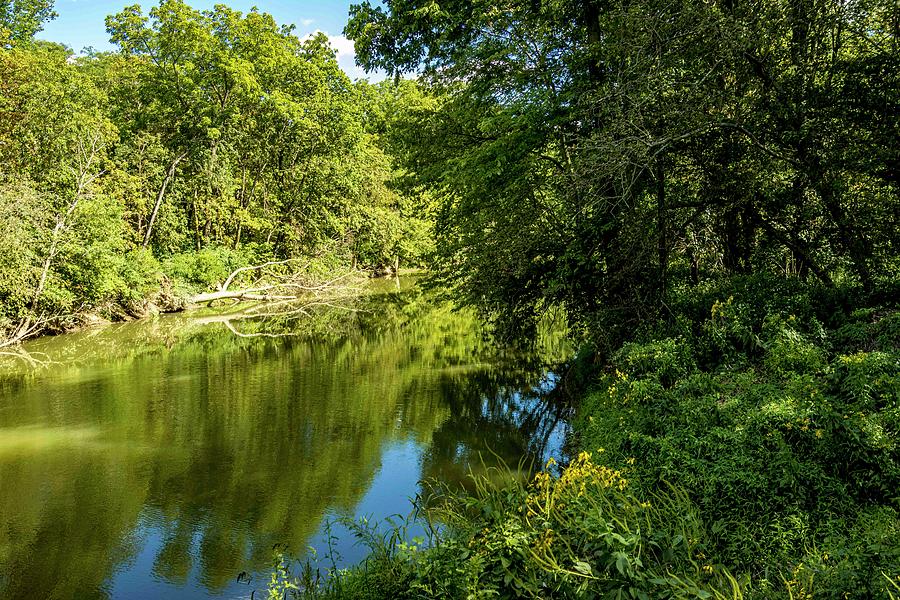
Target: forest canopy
(209,140)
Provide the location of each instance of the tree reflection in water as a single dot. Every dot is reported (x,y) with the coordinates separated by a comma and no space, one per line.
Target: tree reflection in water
(168,456)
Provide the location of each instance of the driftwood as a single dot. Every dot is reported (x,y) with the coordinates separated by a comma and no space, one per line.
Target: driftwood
(249,294)
(285,288)
(283,296)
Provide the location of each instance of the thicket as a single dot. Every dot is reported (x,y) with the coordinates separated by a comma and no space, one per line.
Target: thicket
(777,407)
(210,140)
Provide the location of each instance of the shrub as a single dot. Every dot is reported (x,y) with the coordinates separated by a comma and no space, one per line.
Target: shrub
(783,432)
(210,266)
(582,534)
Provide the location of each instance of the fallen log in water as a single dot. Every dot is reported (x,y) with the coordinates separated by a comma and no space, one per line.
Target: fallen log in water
(251,294)
(288,287)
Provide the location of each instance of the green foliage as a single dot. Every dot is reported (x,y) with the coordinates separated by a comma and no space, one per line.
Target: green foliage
(783,431)
(664,362)
(22,211)
(581,534)
(211,266)
(139,275)
(20,20)
(212,140)
(600,156)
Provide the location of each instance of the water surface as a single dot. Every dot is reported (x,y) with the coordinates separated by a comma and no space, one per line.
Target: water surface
(165,457)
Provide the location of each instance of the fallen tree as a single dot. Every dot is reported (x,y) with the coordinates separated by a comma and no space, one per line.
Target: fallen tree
(273,286)
(276,294)
(293,297)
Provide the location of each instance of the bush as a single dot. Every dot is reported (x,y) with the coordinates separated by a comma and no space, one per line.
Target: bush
(210,266)
(784,433)
(138,275)
(582,534)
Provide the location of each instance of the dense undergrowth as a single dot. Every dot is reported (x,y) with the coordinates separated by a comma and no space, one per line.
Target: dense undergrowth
(777,408)
(745,447)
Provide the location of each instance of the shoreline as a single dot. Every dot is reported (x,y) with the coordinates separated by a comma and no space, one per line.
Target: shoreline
(166,301)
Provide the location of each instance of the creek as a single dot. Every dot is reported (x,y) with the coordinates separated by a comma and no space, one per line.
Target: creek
(163,458)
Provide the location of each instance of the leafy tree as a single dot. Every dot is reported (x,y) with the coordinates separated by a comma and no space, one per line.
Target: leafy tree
(595,154)
(20,20)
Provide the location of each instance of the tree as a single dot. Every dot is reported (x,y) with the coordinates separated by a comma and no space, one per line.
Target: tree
(253,119)
(593,155)
(20,20)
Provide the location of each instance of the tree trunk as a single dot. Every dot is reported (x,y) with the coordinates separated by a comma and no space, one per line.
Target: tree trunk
(159,198)
(662,225)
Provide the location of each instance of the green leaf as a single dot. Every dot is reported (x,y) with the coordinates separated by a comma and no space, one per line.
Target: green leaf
(623,565)
(583,568)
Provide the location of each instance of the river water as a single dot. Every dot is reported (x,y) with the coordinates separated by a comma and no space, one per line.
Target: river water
(163,458)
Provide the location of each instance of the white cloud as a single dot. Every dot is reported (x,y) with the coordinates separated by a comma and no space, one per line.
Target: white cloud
(307,22)
(343,46)
(346,56)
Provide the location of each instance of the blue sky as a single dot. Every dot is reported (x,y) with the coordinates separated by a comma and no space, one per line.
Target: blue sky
(81,22)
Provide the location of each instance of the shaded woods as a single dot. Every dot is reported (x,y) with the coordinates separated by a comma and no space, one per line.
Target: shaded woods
(600,155)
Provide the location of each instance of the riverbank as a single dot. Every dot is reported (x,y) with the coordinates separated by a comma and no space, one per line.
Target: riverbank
(205,278)
(745,447)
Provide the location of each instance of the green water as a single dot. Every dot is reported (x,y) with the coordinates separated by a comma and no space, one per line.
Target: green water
(161,459)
